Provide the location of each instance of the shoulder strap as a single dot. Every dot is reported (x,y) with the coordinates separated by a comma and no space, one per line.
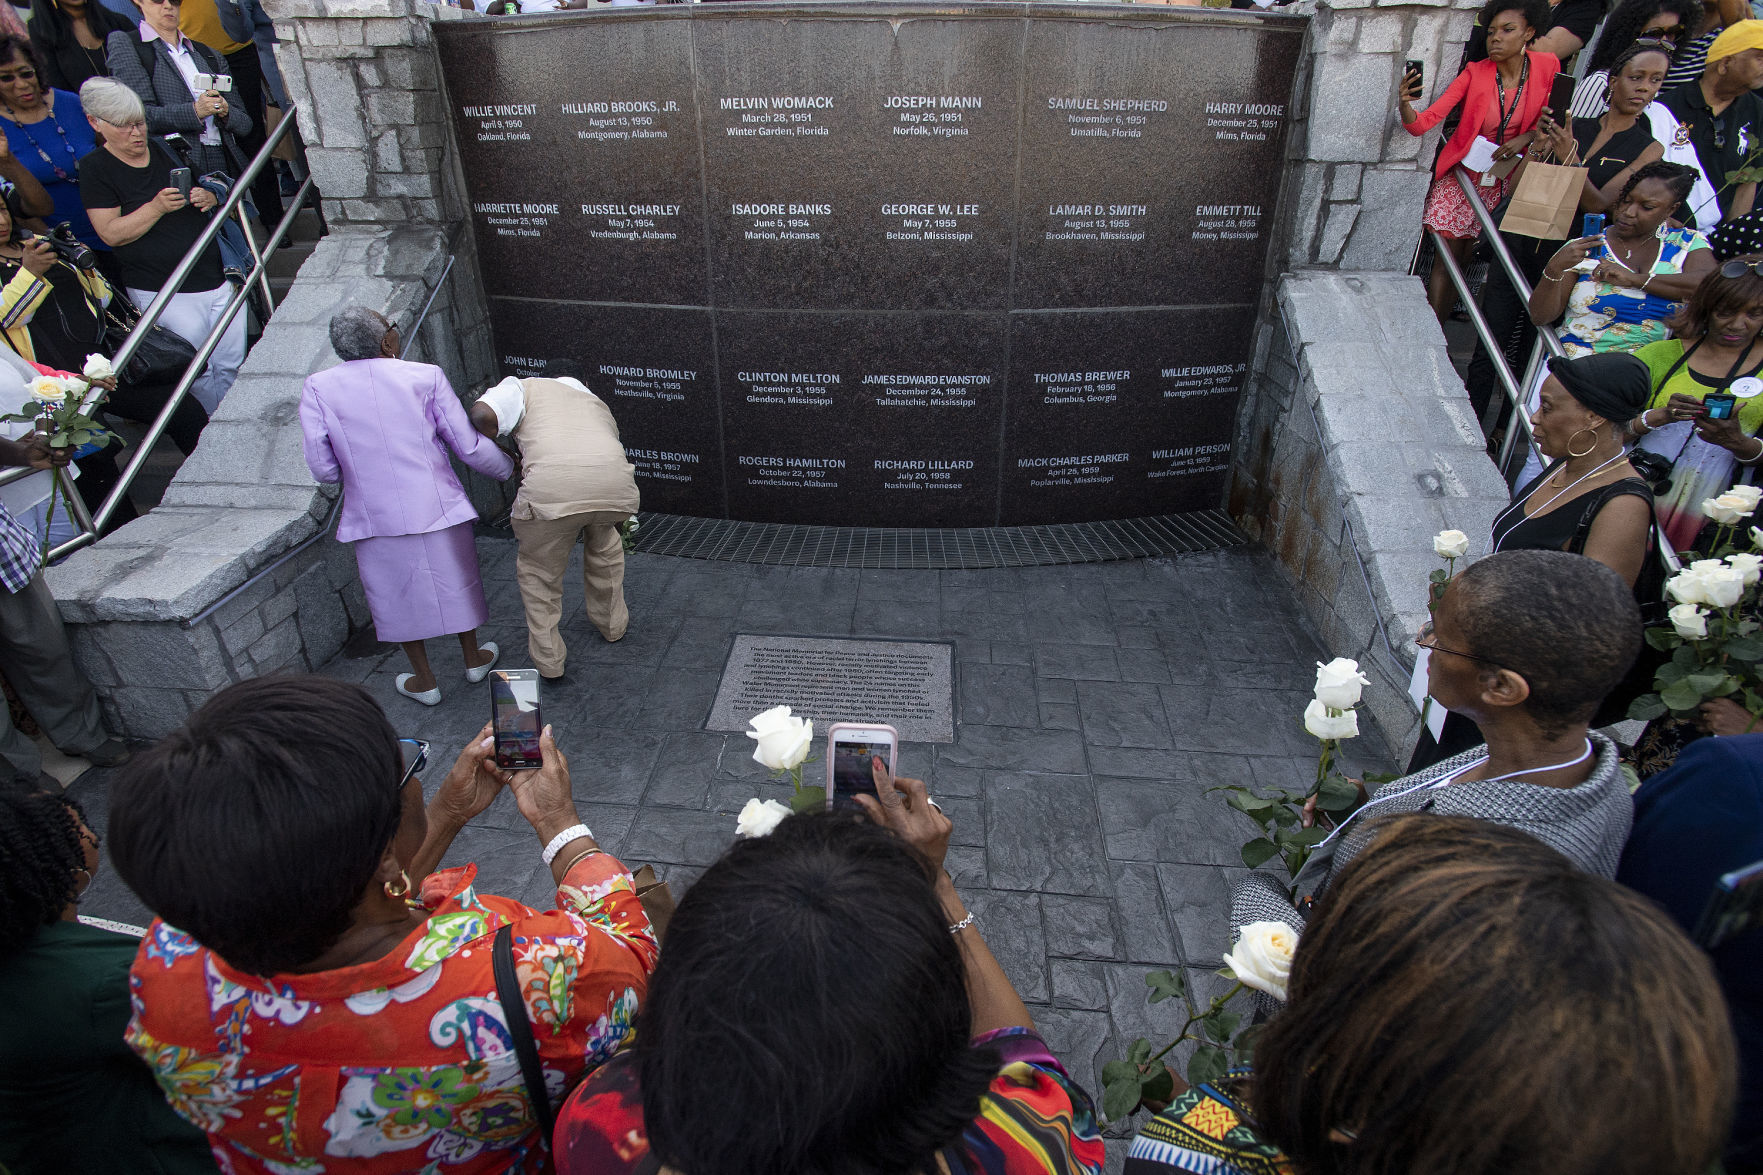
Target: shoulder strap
(1596,501)
(143,50)
(521,1029)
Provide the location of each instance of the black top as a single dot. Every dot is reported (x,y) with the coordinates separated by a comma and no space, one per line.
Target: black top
(146,263)
(1737,236)
(1719,140)
(1623,148)
(65,328)
(1579,17)
(66,63)
(1564,528)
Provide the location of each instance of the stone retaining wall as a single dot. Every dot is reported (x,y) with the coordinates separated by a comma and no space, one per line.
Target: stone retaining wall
(141,605)
(1358,447)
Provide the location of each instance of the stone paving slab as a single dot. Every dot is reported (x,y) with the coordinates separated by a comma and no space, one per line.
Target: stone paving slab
(1095,704)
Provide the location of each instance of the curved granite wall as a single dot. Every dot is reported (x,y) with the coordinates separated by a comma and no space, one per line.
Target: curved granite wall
(896,265)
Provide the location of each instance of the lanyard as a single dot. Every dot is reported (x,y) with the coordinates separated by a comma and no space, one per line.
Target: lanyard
(1449,779)
(1519,504)
(1500,88)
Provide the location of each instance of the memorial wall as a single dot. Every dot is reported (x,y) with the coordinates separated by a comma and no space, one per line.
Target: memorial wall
(885,265)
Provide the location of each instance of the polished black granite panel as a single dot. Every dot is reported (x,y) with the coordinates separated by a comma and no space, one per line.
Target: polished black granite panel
(892,418)
(968,265)
(653,367)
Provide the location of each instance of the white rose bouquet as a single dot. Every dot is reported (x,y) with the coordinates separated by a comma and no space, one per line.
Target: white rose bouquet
(1712,632)
(57,411)
(1330,717)
(627,534)
(781,743)
(1261,959)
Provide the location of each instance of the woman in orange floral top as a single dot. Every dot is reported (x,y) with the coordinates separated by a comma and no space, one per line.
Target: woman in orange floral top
(316,997)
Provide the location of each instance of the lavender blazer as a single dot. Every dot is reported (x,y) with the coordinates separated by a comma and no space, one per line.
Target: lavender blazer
(382,427)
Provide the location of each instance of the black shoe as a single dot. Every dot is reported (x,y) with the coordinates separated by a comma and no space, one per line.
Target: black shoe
(109,753)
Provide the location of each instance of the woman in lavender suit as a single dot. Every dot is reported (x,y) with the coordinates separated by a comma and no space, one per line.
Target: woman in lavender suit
(382,427)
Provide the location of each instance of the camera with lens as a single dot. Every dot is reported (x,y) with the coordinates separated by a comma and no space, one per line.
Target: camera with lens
(67,246)
(1654,468)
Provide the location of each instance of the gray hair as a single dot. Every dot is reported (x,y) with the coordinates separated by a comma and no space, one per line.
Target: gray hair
(356,333)
(110,101)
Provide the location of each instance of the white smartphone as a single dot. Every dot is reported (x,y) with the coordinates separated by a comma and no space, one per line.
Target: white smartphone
(220,83)
(850,746)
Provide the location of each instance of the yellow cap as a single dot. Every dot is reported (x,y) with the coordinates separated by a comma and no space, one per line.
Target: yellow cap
(1736,38)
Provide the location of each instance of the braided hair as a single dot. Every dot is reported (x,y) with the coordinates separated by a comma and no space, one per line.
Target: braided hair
(40,850)
(1678,177)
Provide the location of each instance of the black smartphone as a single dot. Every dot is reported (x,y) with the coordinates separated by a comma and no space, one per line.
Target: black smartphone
(1735,906)
(514,718)
(1719,405)
(180,179)
(1561,100)
(1416,69)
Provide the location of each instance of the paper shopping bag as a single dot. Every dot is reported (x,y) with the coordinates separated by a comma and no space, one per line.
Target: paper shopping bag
(1545,202)
(657,899)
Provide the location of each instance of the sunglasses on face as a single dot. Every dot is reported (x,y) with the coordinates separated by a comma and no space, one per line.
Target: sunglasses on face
(22,74)
(415,752)
(1670,34)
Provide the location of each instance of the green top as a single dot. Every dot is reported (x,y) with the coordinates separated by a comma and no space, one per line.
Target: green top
(73,1098)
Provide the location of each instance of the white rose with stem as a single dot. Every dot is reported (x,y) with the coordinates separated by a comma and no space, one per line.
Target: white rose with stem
(782,742)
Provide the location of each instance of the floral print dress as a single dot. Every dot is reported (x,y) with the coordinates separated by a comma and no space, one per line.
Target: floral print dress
(403,1064)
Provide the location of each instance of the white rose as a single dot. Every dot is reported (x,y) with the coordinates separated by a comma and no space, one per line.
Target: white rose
(97,367)
(1724,587)
(1751,494)
(1686,587)
(46,389)
(1450,544)
(783,740)
(1263,957)
(1690,621)
(1726,509)
(1749,565)
(1756,537)
(759,817)
(1319,722)
(1339,683)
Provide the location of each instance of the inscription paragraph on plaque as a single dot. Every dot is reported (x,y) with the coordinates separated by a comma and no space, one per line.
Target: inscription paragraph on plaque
(906,684)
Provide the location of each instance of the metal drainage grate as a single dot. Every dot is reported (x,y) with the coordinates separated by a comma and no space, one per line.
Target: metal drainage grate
(966,547)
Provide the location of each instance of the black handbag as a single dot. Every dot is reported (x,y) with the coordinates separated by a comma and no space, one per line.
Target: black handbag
(160,359)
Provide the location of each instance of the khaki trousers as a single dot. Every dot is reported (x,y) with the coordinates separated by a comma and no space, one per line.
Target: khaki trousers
(39,667)
(545,545)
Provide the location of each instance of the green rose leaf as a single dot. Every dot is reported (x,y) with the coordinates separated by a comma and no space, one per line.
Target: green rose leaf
(1158,1087)
(1120,1096)
(1208,1063)
(808,800)
(1685,658)
(1166,985)
(1663,639)
(1745,648)
(1257,851)
(1220,1024)
(1337,794)
(1708,684)
(1646,708)
(1668,673)
(1140,1052)
(1308,837)
(1681,696)
(1250,804)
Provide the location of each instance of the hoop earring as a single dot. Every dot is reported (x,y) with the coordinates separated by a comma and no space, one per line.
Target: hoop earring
(401,891)
(80,891)
(1575,436)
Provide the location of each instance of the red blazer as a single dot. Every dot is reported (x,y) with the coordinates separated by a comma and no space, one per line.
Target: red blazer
(1476,89)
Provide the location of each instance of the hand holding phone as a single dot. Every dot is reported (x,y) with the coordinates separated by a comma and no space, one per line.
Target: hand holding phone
(851,747)
(905,806)
(181,179)
(515,718)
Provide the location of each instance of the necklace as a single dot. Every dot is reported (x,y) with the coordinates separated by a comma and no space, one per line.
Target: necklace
(1619,258)
(73,156)
(1592,473)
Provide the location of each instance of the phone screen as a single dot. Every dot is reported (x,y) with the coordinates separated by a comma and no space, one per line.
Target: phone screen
(852,774)
(1561,99)
(514,705)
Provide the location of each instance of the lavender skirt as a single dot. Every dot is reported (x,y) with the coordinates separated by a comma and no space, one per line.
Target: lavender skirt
(422,585)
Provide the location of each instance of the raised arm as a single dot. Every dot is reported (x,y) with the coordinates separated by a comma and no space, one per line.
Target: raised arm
(1423,121)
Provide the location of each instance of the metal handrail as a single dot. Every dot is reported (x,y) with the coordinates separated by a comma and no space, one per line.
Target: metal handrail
(1547,340)
(91,524)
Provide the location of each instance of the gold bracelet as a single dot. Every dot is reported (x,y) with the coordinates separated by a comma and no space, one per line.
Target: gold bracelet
(1546,277)
(578,860)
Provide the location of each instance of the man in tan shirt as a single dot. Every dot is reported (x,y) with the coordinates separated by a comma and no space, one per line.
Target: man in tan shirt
(574,478)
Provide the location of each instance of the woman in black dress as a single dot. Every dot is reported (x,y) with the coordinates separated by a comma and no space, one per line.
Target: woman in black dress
(1587,501)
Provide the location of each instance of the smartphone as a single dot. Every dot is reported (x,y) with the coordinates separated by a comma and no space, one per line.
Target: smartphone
(1735,906)
(1594,227)
(1415,69)
(1561,100)
(850,746)
(514,718)
(1719,405)
(180,179)
(220,83)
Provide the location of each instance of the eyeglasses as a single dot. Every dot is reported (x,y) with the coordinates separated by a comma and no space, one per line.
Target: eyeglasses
(416,757)
(1426,640)
(1737,268)
(122,126)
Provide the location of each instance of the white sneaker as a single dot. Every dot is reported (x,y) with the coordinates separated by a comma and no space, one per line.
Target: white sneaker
(483,671)
(428,697)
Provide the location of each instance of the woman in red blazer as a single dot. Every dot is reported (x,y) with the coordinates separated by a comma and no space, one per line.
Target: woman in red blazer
(1501,98)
